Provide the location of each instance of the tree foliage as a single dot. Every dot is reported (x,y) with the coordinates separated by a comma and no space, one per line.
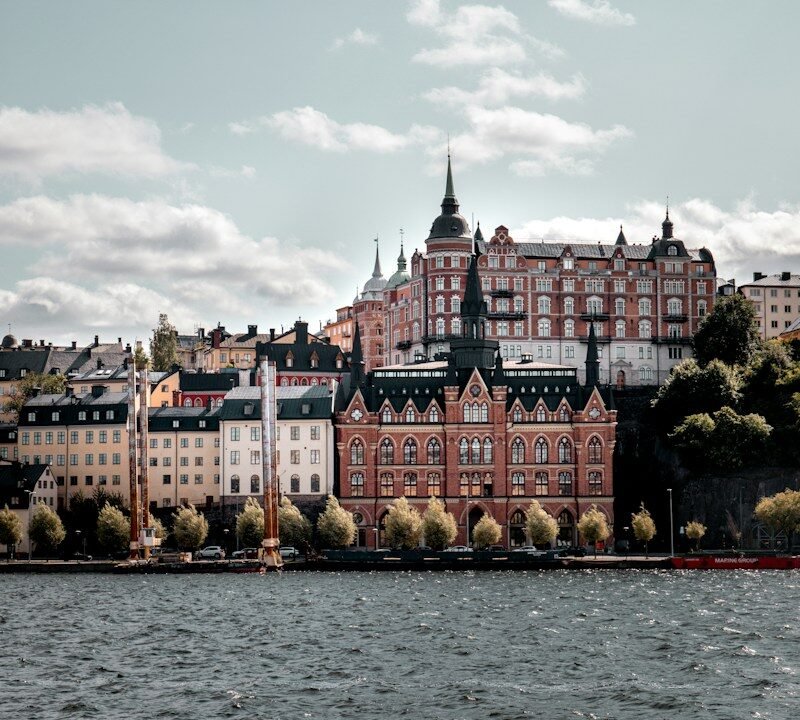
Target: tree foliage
(438,526)
(695,530)
(294,528)
(487,532)
(726,441)
(403,525)
(164,345)
(140,358)
(781,512)
(10,528)
(46,529)
(593,526)
(113,529)
(336,526)
(644,528)
(190,528)
(48,384)
(250,524)
(728,333)
(541,526)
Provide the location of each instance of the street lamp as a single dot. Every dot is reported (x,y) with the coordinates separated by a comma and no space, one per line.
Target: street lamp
(31,495)
(627,542)
(80,534)
(671,526)
(375,530)
(225,532)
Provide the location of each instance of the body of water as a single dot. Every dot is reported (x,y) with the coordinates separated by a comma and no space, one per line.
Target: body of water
(593,644)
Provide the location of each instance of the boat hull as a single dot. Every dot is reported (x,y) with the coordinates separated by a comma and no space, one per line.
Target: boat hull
(736,562)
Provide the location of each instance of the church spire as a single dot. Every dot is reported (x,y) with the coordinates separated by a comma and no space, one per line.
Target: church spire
(621,237)
(449,202)
(592,360)
(357,360)
(376,272)
(474,305)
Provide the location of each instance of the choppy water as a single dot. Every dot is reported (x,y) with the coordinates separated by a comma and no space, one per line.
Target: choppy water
(595,644)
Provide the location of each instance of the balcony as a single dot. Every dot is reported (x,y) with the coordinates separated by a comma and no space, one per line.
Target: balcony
(597,317)
(676,318)
(404,345)
(444,337)
(667,340)
(600,339)
(507,315)
(501,293)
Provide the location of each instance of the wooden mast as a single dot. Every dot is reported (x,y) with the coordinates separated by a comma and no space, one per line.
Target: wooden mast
(270,555)
(132,466)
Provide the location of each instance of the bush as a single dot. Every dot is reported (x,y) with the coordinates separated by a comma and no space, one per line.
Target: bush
(336,526)
(541,527)
(438,527)
(113,529)
(190,528)
(487,532)
(403,525)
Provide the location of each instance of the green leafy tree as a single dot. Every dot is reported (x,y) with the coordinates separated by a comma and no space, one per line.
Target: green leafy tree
(190,528)
(250,524)
(46,529)
(336,526)
(164,345)
(780,512)
(486,532)
(294,528)
(10,528)
(48,384)
(140,358)
(694,531)
(438,526)
(541,527)
(691,389)
(728,333)
(113,529)
(403,525)
(644,528)
(593,527)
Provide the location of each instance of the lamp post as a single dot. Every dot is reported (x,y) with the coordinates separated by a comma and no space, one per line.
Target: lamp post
(375,530)
(225,532)
(671,526)
(31,495)
(627,542)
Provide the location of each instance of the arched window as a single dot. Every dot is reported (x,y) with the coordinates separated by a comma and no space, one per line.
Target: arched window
(219,402)
(645,373)
(595,483)
(198,403)
(542,484)
(569,306)
(476,451)
(564,451)
(356,452)
(411,416)
(672,250)
(566,528)
(619,306)
(415,331)
(235,486)
(440,327)
(463,451)
(410,452)
(387,485)
(315,483)
(517,452)
(284,382)
(294,382)
(516,529)
(565,483)
(386,415)
(543,305)
(314,382)
(594,305)
(569,328)
(356,484)
(544,327)
(434,484)
(410,484)
(295,483)
(484,413)
(487,450)
(387,452)
(476,413)
(674,306)
(187,402)
(415,309)
(304,381)
(541,415)
(467,413)
(563,414)
(433,415)
(645,329)
(434,452)
(517,483)
(540,451)
(517,415)
(595,450)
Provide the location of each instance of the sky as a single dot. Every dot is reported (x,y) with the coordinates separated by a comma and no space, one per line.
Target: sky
(233,162)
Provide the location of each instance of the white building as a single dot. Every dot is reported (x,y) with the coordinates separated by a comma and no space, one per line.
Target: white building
(22,488)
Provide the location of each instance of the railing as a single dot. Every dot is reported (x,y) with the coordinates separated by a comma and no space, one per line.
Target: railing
(676,318)
(507,315)
(404,345)
(598,317)
(501,293)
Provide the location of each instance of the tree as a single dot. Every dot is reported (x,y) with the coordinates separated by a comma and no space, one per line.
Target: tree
(644,529)
(780,512)
(140,358)
(336,526)
(541,526)
(438,526)
(250,524)
(593,526)
(294,528)
(695,530)
(47,384)
(113,529)
(487,532)
(728,333)
(45,529)
(190,528)
(164,345)
(10,529)
(403,525)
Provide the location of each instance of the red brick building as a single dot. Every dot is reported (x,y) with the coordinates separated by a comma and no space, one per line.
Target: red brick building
(484,435)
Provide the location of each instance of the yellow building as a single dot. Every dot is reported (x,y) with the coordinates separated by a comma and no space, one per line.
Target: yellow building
(776,299)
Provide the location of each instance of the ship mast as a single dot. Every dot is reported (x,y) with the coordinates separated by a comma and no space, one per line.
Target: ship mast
(270,555)
(134,543)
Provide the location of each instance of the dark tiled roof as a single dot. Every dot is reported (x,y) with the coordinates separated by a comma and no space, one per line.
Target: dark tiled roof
(593,251)
(69,407)
(15,479)
(301,356)
(187,418)
(204,382)
(13,361)
(294,403)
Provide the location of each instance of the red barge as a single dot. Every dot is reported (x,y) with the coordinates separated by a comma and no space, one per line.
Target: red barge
(736,562)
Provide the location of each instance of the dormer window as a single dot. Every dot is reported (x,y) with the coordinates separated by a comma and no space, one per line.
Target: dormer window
(434,415)
(568,263)
(23,372)
(31,417)
(82,415)
(411,416)
(314,361)
(289,360)
(386,415)
(672,250)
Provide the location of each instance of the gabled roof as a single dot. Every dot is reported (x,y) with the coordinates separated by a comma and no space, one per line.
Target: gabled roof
(294,403)
(205,382)
(15,479)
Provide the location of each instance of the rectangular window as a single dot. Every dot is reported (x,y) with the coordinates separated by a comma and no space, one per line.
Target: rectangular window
(116,480)
(235,457)
(60,460)
(48,438)
(37,438)
(255,457)
(184,442)
(61,437)
(235,433)
(198,442)
(166,479)
(295,457)
(153,462)
(115,459)
(73,436)
(102,459)
(89,480)
(184,479)
(255,433)
(117,436)
(198,479)
(89,436)
(198,461)
(89,459)
(315,457)
(73,459)
(315,432)
(102,436)
(167,461)
(153,443)
(295,432)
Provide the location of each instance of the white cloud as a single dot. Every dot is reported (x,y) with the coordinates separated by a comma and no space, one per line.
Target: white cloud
(535,143)
(497,87)
(104,139)
(312,127)
(599,12)
(357,37)
(93,251)
(742,240)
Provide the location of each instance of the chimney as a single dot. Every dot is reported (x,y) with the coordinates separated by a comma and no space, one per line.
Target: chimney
(119,341)
(35,392)
(41,342)
(216,337)
(176,398)
(244,378)
(301,332)
(100,363)
(210,404)
(69,391)
(96,340)
(74,344)
(271,334)
(27,343)
(128,348)
(201,333)
(98,390)
(125,363)
(252,330)
(786,276)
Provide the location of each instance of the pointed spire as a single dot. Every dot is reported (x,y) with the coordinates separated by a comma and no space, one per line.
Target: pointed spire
(592,360)
(357,360)
(478,233)
(449,202)
(666,226)
(376,272)
(401,258)
(474,303)
(621,237)
(499,375)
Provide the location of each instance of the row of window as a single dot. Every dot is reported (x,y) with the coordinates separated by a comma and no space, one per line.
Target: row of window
(255,484)
(60,437)
(255,433)
(182,461)
(166,442)
(88,480)
(314,457)
(60,460)
(183,479)
(83,415)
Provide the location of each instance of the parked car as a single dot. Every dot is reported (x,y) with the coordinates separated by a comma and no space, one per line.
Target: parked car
(245,554)
(458,548)
(210,552)
(497,547)
(169,555)
(288,553)
(80,556)
(525,548)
